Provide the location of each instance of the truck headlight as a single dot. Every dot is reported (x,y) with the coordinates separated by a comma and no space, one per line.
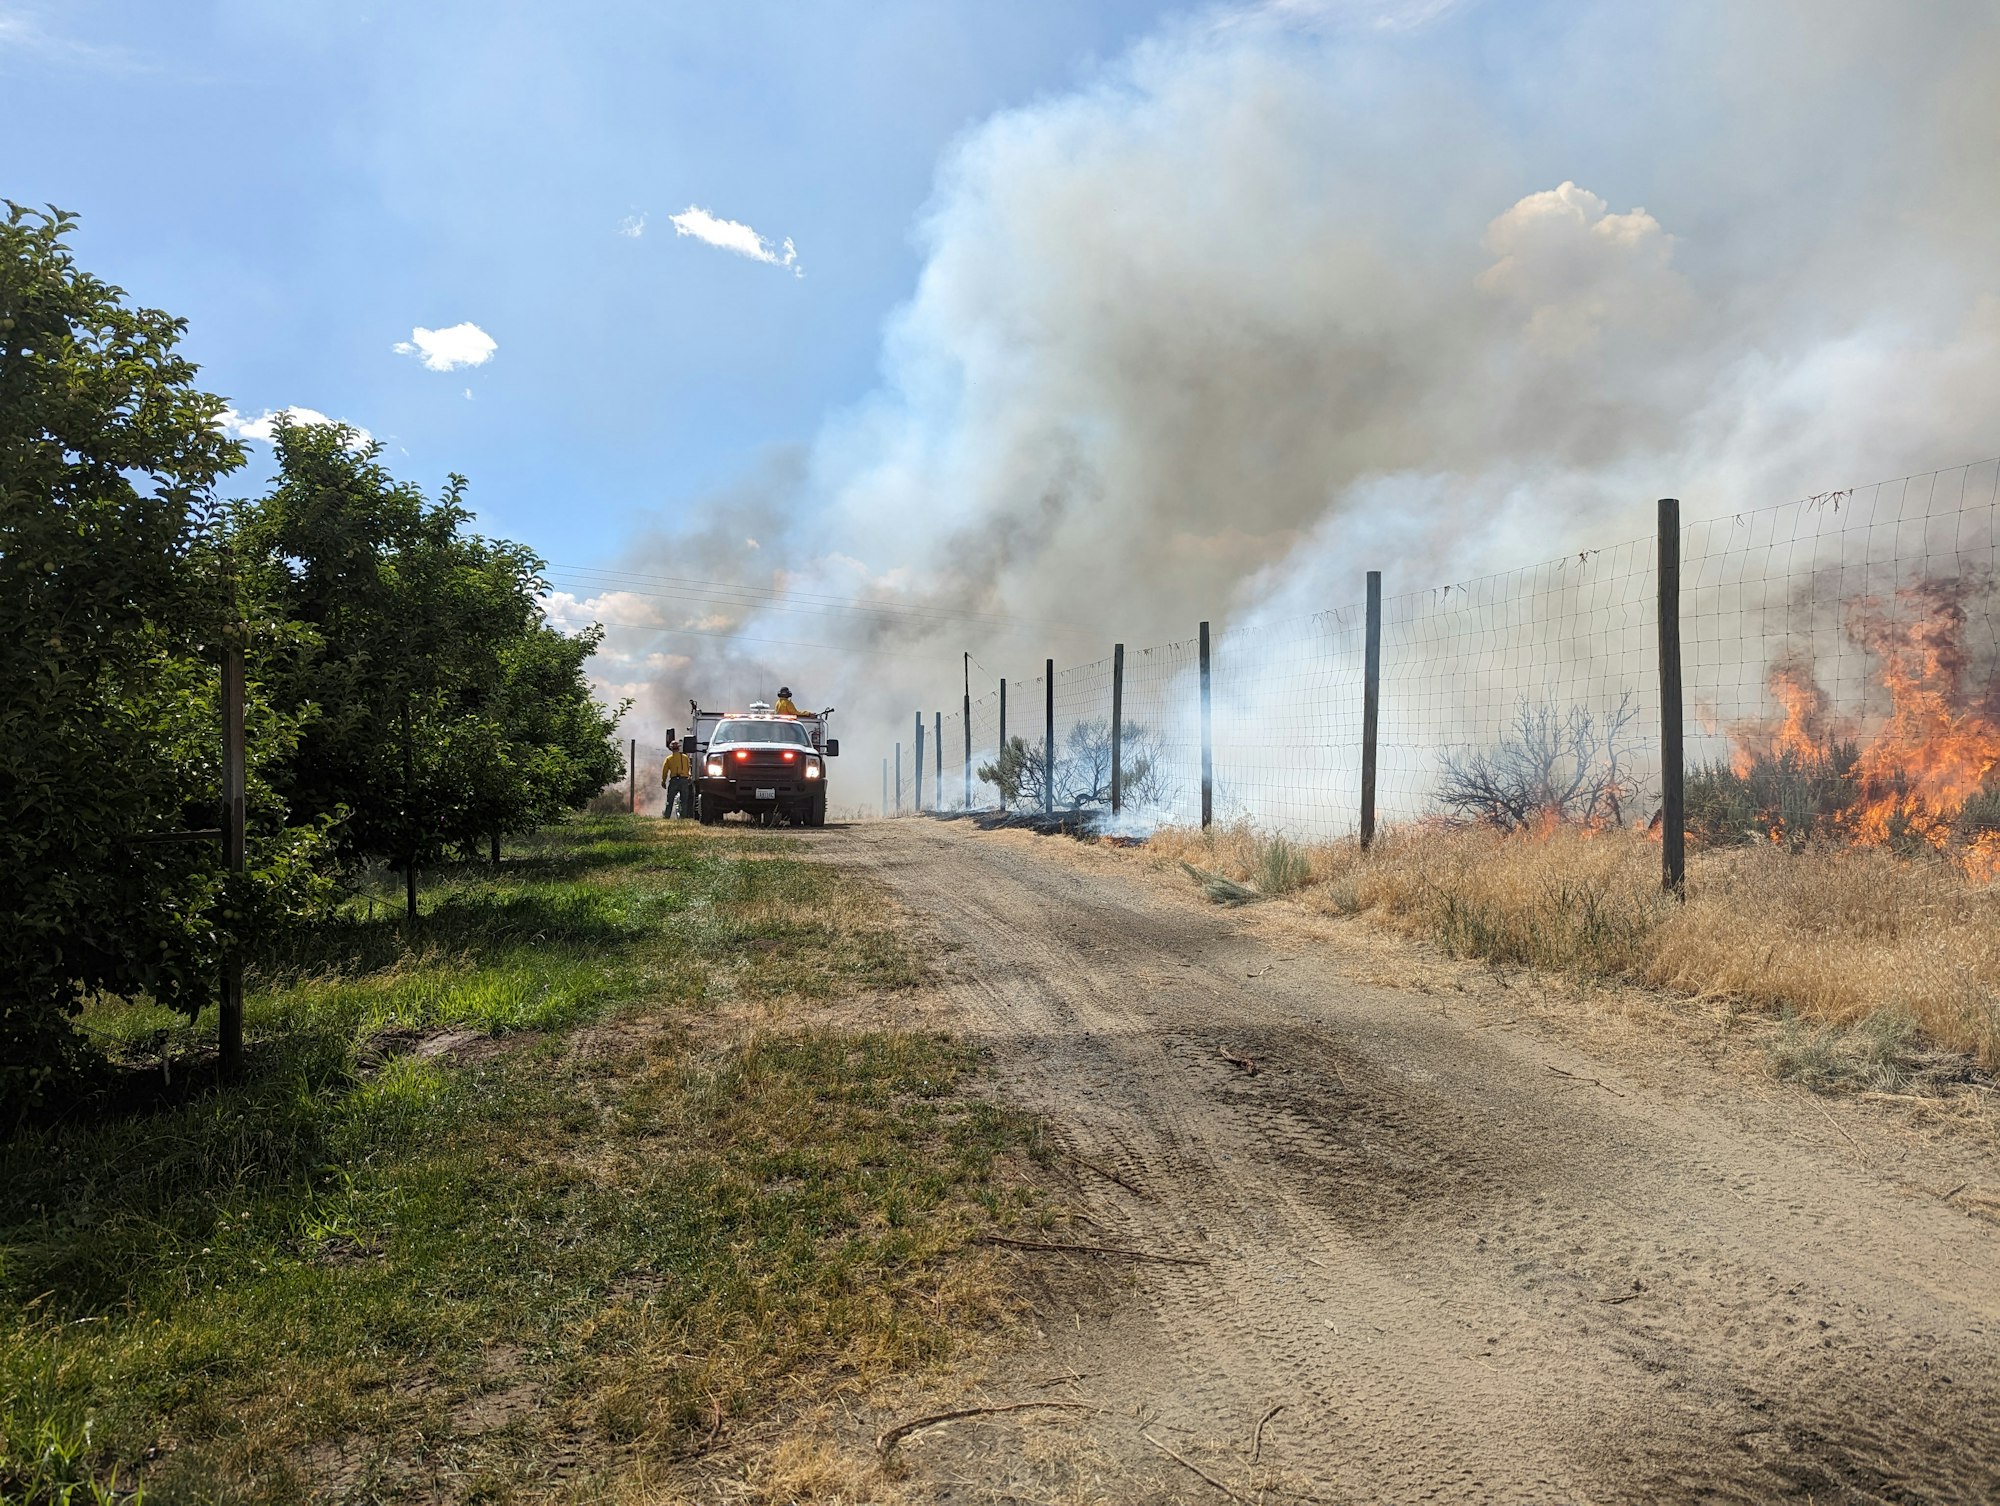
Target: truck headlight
(812,770)
(715,768)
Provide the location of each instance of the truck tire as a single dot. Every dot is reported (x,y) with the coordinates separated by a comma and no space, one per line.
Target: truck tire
(816,812)
(709,808)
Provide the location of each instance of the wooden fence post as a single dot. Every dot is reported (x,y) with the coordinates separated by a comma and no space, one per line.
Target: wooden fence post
(632,777)
(1207,739)
(899,779)
(885,786)
(1049,739)
(1117,727)
(917,770)
(1371,705)
(968,732)
(229,1015)
(1673,793)
(937,752)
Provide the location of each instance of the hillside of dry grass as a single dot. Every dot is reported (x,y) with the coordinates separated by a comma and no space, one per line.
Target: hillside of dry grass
(1865,954)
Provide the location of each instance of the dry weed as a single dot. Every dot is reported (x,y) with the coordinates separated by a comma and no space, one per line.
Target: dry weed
(1837,936)
(813,1471)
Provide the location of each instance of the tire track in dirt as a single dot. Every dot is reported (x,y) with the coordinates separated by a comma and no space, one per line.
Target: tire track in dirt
(1473,1267)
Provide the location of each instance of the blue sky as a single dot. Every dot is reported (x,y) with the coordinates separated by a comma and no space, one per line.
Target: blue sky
(307,181)
(1114,317)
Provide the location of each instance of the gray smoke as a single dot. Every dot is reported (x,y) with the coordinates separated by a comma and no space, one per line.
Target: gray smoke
(1298,291)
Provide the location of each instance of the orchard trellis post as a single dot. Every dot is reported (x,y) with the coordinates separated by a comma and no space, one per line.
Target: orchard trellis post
(229,1014)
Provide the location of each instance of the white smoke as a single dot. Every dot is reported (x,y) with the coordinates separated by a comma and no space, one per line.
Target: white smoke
(1267,304)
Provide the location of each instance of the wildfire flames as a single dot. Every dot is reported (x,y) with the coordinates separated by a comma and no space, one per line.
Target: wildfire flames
(1906,776)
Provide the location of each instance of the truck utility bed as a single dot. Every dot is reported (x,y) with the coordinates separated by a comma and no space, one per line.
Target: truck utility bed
(771,768)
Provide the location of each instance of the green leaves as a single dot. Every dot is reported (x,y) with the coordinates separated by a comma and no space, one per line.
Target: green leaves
(110,605)
(437,708)
(405,696)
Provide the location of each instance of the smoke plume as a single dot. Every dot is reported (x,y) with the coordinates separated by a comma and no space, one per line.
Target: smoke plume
(1294,292)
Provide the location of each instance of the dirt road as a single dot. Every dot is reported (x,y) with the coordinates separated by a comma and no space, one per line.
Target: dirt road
(1467,1262)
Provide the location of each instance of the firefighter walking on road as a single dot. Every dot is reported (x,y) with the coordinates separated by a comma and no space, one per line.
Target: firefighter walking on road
(677,776)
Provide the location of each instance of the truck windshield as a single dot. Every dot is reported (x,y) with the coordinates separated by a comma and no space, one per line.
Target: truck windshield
(788,734)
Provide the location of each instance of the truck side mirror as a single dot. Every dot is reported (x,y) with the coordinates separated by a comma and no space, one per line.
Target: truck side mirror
(687,746)
(833,747)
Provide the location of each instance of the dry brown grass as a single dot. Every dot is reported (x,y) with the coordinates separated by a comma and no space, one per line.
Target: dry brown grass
(1834,936)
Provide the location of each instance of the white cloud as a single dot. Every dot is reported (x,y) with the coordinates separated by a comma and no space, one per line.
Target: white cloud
(449,349)
(24,34)
(730,235)
(621,607)
(632,226)
(1344,15)
(1578,269)
(265,426)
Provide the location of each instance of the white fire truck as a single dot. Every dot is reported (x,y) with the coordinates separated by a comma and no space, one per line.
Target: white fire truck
(770,767)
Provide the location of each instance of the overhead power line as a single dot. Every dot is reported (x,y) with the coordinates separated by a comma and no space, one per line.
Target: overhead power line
(591,576)
(581,618)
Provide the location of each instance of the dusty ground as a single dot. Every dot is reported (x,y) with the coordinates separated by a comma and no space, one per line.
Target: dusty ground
(1467,1251)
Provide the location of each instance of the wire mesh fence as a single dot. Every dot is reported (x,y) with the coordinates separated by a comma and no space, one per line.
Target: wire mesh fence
(1851,637)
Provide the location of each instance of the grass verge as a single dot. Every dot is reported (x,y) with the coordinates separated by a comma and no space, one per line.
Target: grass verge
(1834,940)
(612,1229)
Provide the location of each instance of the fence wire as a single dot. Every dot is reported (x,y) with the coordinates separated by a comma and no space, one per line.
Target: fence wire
(1855,617)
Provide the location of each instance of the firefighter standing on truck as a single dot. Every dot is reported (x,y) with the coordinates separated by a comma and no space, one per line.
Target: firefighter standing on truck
(785,706)
(677,775)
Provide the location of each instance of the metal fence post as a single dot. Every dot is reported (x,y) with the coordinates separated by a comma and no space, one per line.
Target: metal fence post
(1001,789)
(229,1015)
(1371,705)
(917,769)
(1673,802)
(1117,727)
(1207,739)
(1049,739)
(968,733)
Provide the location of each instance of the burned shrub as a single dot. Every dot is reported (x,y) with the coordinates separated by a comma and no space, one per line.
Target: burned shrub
(1561,765)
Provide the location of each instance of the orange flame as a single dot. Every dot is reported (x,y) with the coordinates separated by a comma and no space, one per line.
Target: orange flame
(1805,731)
(1934,750)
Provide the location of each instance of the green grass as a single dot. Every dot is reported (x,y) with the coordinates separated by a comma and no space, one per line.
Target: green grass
(520,1276)
(1881,1052)
(1279,866)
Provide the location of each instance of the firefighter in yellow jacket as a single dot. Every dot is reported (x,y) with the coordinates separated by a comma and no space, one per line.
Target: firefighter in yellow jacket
(785,706)
(677,775)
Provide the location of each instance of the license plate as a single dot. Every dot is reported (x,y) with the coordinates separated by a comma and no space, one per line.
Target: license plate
(767,794)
